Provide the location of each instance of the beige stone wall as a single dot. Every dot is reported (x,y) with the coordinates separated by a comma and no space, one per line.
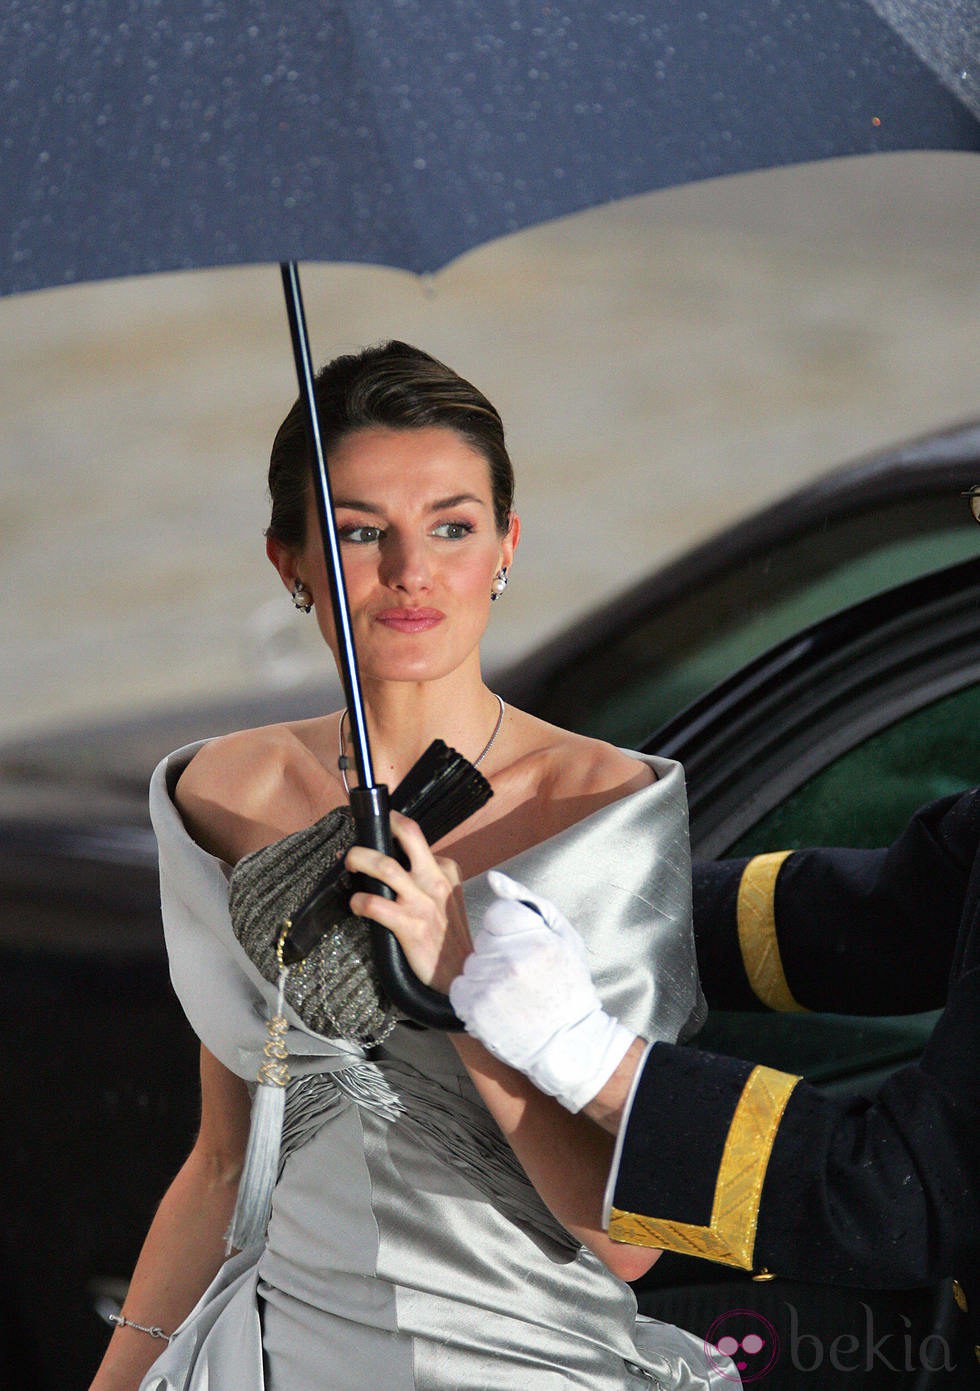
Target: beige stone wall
(664,366)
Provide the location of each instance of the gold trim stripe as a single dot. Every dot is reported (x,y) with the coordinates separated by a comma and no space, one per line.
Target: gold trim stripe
(730,1237)
(756,916)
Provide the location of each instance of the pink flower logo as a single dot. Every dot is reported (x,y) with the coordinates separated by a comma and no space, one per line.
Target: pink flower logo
(746,1337)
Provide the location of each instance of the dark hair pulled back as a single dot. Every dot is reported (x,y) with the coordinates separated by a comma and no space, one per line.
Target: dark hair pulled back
(397,387)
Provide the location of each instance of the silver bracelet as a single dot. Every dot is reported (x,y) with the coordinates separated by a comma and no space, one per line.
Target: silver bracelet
(155,1332)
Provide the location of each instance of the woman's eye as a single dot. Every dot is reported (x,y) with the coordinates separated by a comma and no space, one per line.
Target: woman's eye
(452,531)
(360,535)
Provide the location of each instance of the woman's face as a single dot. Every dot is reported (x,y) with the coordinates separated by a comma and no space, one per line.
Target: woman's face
(414,514)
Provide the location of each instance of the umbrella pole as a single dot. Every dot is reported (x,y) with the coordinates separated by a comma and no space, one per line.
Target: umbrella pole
(369,800)
(347,657)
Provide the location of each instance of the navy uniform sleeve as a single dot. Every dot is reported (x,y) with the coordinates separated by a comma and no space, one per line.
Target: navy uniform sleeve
(846,931)
(758,1170)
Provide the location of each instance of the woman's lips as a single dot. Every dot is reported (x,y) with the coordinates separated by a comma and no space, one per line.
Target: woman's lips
(409,620)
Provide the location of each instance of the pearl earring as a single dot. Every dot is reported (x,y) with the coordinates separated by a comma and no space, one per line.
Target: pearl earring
(302,598)
(498,584)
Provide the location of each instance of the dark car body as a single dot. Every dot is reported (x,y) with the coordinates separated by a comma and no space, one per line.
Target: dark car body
(823,732)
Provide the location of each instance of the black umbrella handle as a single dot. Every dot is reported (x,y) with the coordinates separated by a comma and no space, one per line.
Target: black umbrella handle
(401,984)
(369,801)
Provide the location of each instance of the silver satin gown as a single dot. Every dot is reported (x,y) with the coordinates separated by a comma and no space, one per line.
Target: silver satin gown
(406,1250)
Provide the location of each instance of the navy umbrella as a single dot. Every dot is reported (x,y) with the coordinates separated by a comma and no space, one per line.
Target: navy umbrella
(139,137)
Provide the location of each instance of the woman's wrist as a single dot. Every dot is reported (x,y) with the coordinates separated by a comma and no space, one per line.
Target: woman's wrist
(153,1330)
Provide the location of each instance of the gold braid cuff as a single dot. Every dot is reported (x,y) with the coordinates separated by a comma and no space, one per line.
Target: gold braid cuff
(730,1237)
(756,916)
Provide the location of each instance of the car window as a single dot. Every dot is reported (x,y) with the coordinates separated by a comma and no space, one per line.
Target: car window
(630,684)
(868,794)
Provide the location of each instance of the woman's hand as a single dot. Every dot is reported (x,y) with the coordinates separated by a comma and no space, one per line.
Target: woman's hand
(427,914)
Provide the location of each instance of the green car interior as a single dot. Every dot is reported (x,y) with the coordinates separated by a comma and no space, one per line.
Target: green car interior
(863,799)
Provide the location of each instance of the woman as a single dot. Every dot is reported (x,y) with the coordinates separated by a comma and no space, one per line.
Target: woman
(406,1247)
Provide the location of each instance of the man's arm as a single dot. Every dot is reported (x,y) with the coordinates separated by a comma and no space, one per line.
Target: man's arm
(756,1169)
(841,930)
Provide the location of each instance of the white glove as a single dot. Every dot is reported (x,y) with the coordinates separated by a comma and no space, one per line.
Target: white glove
(527,995)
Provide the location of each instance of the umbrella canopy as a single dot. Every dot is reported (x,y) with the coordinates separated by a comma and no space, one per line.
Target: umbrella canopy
(143,137)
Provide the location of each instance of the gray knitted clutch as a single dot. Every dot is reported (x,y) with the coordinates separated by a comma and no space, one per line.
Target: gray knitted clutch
(336,990)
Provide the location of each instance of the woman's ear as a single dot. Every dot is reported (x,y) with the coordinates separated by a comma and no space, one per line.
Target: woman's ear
(284,559)
(508,542)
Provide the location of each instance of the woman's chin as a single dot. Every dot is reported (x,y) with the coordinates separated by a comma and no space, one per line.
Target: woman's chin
(412,659)
(406,669)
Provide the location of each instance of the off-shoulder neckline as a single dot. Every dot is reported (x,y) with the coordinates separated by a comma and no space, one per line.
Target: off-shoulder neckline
(175,763)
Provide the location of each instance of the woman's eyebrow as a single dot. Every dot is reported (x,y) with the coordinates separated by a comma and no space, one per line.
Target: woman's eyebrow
(455,501)
(354,504)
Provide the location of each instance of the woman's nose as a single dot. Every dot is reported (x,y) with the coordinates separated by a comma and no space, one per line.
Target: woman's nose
(405,565)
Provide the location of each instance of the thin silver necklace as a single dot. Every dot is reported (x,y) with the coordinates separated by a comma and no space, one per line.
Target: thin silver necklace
(342,760)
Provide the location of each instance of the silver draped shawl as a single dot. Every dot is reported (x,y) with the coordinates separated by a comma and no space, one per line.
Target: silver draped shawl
(622,876)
